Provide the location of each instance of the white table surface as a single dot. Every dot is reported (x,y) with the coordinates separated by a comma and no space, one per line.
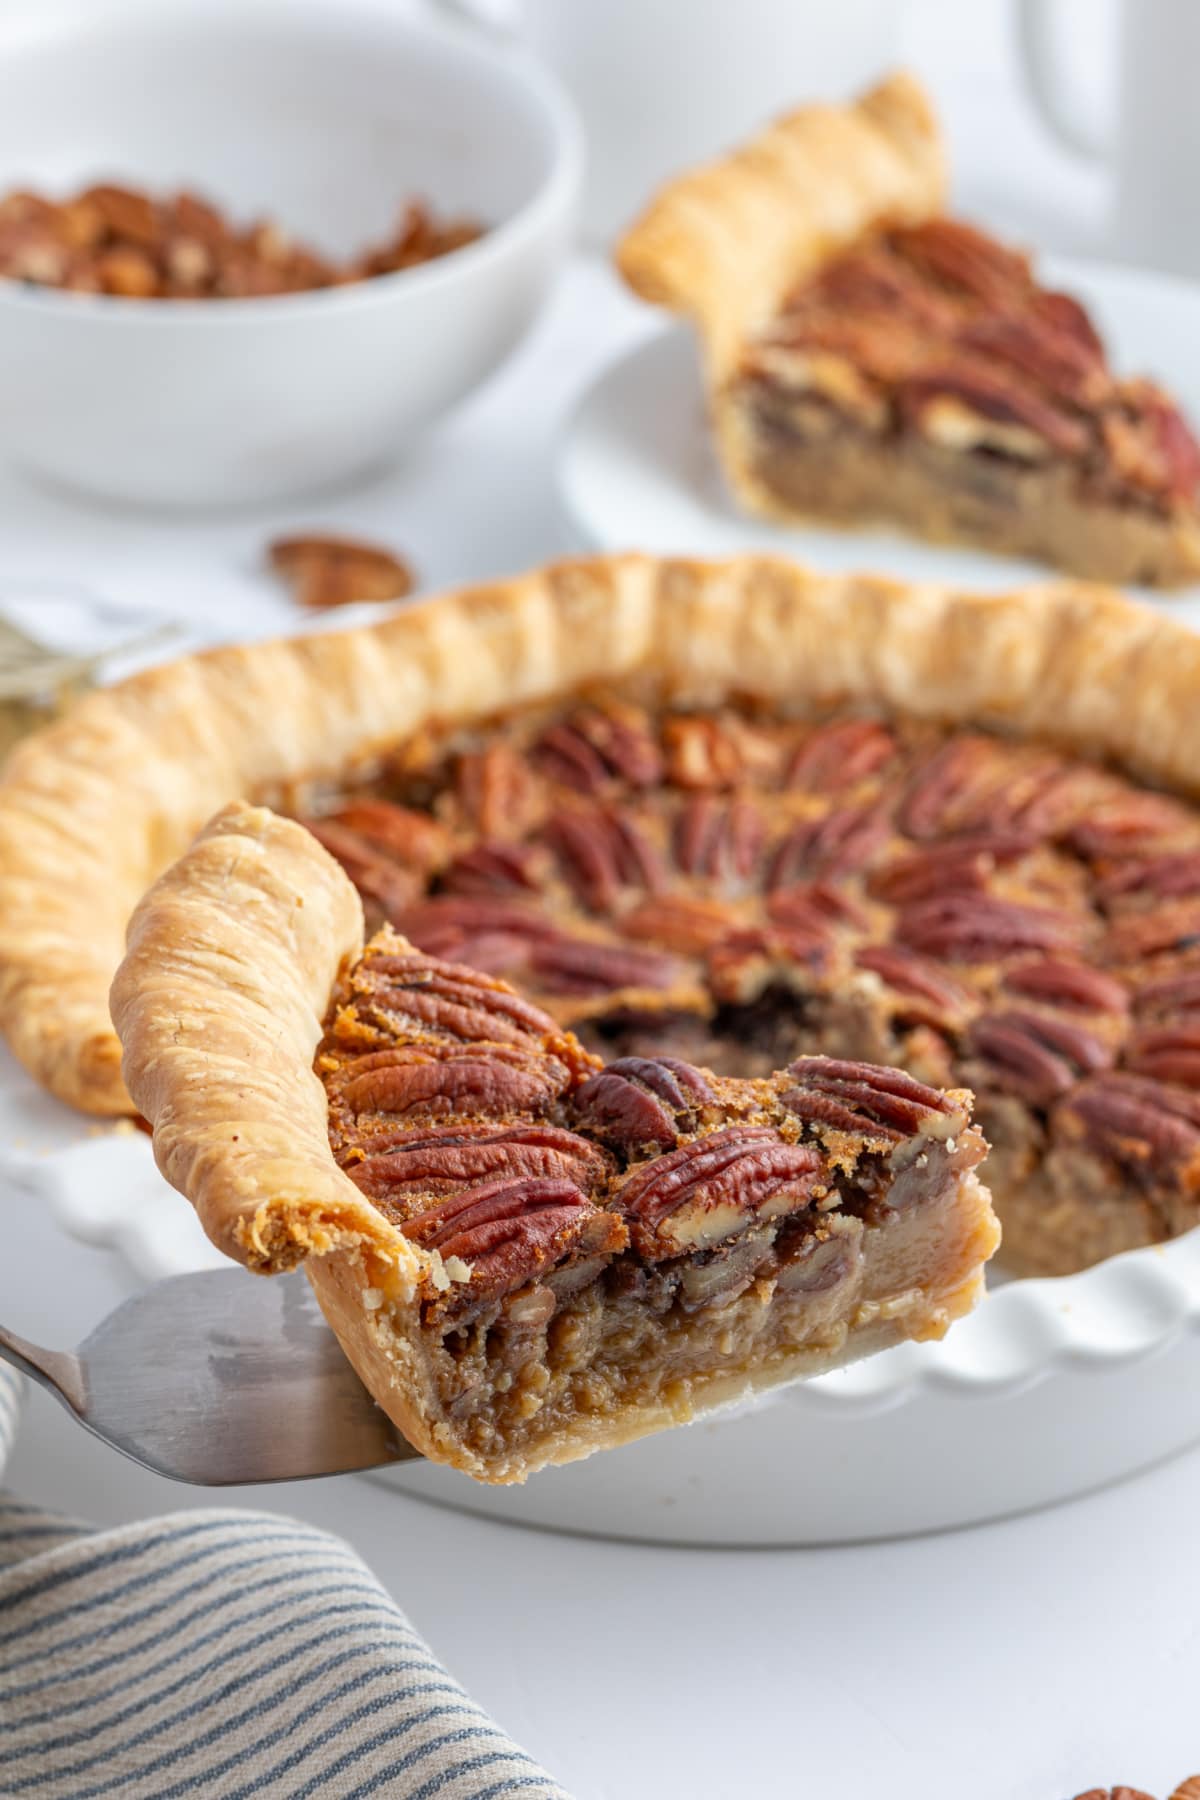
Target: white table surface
(1032,1658)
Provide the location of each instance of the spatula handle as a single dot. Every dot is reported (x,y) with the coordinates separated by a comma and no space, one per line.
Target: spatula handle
(57,1370)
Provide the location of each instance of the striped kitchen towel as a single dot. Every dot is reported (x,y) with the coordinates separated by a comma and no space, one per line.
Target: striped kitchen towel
(223,1655)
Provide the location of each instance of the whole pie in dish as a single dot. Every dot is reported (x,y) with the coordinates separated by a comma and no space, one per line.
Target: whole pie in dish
(870,358)
(729,814)
(527,1254)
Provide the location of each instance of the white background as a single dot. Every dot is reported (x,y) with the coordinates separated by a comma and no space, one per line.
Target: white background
(1033,1658)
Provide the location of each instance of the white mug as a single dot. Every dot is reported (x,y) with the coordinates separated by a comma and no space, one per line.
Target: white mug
(1153,146)
(664,83)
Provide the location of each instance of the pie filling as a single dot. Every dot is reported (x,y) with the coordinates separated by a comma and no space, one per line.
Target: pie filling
(611,1240)
(925,376)
(734,889)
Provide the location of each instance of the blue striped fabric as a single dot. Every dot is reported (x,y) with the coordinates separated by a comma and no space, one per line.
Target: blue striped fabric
(222,1653)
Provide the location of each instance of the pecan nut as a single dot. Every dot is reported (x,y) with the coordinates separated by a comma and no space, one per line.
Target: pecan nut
(843,841)
(715,1188)
(719,841)
(1036,1055)
(602,851)
(840,755)
(1146,1127)
(495,1079)
(451,1000)
(1076,985)
(967,927)
(509,1233)
(1169,1053)
(418,1162)
(638,1103)
(873,1102)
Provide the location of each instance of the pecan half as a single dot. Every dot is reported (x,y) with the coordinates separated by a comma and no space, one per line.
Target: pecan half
(495,1079)
(584,966)
(839,755)
(972,783)
(412,839)
(1036,1055)
(982,928)
(1035,345)
(450,999)
(489,933)
(509,1233)
(1070,984)
(602,851)
(1146,1127)
(872,1102)
(598,746)
(714,1188)
(334,571)
(423,1160)
(498,792)
(1160,877)
(841,842)
(1167,1053)
(815,906)
(1130,823)
(701,753)
(637,1103)
(1136,937)
(962,863)
(1169,998)
(679,922)
(916,977)
(962,257)
(377,877)
(493,868)
(719,840)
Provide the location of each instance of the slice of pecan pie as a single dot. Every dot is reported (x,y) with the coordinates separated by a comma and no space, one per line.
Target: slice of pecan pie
(527,1254)
(871,359)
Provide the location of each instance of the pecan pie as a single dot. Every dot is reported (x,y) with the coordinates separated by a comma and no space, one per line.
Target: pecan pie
(871,359)
(528,1254)
(729,814)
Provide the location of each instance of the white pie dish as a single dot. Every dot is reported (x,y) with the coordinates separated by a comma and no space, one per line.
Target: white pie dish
(326,117)
(1049,1389)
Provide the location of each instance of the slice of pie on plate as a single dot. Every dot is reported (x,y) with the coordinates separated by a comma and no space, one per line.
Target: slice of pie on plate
(526,1254)
(869,358)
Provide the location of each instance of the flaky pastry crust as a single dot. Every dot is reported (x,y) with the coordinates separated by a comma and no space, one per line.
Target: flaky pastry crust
(723,244)
(94,808)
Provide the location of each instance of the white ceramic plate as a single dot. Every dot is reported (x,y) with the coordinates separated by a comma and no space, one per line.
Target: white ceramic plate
(638,470)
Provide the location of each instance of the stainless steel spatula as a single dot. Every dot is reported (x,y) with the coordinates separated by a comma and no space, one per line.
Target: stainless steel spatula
(217,1378)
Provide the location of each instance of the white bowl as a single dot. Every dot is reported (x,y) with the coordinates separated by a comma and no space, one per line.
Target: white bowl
(326,117)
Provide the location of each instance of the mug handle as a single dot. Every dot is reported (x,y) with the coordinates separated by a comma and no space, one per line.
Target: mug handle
(1060,111)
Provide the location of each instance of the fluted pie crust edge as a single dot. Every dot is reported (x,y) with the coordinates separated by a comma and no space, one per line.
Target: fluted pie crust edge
(95,807)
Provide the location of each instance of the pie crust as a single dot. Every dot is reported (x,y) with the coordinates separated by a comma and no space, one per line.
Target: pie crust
(761,1232)
(868,359)
(96,806)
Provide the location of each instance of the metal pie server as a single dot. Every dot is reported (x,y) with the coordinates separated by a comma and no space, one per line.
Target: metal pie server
(217,1379)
